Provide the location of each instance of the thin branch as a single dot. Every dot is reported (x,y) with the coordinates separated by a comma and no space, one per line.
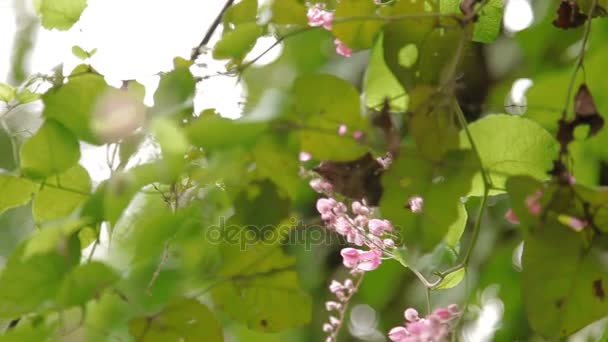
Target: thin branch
(579,59)
(196,52)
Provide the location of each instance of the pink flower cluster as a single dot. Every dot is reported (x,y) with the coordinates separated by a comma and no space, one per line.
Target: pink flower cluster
(435,327)
(343,129)
(343,292)
(358,227)
(318,16)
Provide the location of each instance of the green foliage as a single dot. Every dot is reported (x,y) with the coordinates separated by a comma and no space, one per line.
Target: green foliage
(441,184)
(215,236)
(59,14)
(380,83)
(356,34)
(322,104)
(288,12)
(237,43)
(7,93)
(61,194)
(181,320)
(16,191)
(261,289)
(72,104)
(52,150)
(530,153)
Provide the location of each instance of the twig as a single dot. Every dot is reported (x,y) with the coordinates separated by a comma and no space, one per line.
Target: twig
(579,59)
(196,52)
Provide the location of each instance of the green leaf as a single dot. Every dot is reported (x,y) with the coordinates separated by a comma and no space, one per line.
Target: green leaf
(217,132)
(564,281)
(7,92)
(62,194)
(173,144)
(237,43)
(30,284)
(27,96)
(489,21)
(15,191)
(85,282)
(455,231)
(380,83)
(401,33)
(59,14)
(356,34)
(72,104)
(52,150)
(26,332)
(262,289)
(175,91)
(181,320)
(323,103)
(54,238)
(433,130)
(79,52)
(259,208)
(451,280)
(288,12)
(510,145)
(441,184)
(271,154)
(408,55)
(243,12)
(487,27)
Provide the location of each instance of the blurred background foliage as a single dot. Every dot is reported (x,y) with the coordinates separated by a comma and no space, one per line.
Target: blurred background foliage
(131,257)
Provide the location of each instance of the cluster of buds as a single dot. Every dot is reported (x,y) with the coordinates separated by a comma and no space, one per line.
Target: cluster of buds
(343,292)
(534,206)
(319,16)
(435,327)
(358,227)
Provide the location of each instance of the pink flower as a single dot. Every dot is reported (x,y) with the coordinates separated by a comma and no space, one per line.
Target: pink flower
(331,305)
(432,328)
(398,334)
(411,314)
(342,129)
(415,203)
(304,156)
(389,243)
(511,217)
(335,286)
(350,257)
(370,260)
(320,185)
(343,226)
(357,135)
(318,16)
(378,227)
(345,51)
(533,203)
(360,209)
(577,224)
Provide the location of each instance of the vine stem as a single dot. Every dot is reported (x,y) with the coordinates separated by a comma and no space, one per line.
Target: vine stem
(579,60)
(196,52)
(342,311)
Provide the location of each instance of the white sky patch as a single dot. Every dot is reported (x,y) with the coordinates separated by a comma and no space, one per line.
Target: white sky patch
(518,15)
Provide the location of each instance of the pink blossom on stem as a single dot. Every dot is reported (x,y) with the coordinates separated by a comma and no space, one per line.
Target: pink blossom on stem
(357,135)
(370,260)
(342,130)
(319,16)
(320,185)
(533,203)
(511,217)
(432,328)
(378,227)
(577,224)
(304,156)
(415,203)
(342,49)
(350,257)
